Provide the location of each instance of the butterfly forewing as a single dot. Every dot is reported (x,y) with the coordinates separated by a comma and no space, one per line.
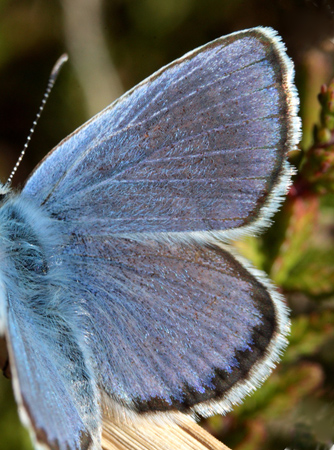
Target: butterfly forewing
(196,147)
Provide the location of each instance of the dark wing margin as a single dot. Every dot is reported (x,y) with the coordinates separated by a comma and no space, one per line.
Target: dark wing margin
(198,147)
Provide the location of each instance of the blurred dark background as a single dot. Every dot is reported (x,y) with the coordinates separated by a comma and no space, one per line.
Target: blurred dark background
(114,44)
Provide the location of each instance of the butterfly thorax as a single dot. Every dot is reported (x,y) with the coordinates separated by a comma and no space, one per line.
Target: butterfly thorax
(30,267)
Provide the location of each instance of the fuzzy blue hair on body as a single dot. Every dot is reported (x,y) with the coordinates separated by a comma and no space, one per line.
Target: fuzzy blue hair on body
(46,321)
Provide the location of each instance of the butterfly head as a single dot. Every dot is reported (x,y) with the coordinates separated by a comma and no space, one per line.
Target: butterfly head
(4,190)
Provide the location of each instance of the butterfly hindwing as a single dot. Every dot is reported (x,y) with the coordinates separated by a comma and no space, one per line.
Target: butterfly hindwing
(174,326)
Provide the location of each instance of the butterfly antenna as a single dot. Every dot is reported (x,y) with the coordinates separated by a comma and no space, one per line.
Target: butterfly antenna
(53,76)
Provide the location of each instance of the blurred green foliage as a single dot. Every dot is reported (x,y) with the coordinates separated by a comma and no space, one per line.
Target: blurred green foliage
(295,407)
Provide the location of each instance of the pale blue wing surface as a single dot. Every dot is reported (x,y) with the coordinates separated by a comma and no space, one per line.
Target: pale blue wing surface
(199,146)
(53,380)
(196,147)
(173,325)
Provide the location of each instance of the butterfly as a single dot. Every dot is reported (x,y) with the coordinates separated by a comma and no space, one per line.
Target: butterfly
(124,307)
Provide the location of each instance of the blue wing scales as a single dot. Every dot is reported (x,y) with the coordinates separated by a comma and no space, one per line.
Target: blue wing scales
(54,386)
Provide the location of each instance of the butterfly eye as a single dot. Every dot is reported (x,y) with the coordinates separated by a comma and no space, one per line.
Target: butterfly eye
(4,358)
(4,191)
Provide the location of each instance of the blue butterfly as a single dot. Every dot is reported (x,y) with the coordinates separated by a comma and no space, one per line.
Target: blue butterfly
(122,302)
